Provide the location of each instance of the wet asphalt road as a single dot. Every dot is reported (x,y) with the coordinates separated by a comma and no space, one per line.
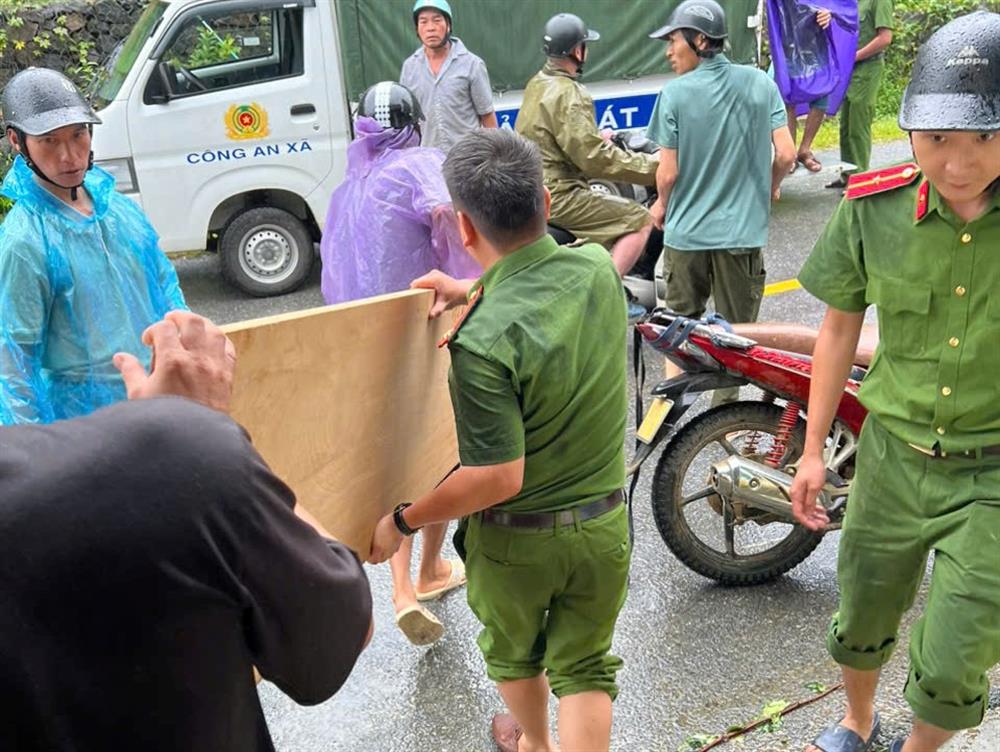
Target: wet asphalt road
(698,657)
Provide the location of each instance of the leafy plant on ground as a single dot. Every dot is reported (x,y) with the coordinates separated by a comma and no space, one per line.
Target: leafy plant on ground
(772,713)
(695,742)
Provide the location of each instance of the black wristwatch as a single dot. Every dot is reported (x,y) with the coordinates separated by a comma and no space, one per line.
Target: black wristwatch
(397,517)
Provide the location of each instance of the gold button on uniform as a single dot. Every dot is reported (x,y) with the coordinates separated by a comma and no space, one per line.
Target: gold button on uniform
(946,391)
(953,342)
(960,291)
(966,237)
(940,430)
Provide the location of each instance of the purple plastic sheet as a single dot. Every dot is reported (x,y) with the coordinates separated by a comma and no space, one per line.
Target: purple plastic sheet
(391,219)
(811,63)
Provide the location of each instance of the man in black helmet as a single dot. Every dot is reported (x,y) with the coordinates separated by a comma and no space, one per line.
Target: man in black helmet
(920,241)
(81,274)
(557,114)
(716,123)
(389,222)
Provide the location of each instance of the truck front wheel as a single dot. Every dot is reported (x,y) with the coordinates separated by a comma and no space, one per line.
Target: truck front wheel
(266,251)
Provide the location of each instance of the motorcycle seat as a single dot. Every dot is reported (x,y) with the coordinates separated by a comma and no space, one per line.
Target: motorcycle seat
(560,235)
(801,339)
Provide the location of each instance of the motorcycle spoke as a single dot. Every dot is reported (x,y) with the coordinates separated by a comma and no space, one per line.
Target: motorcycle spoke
(727,446)
(702,494)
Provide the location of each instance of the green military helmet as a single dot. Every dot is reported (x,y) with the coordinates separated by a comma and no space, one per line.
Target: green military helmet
(563,32)
(955,83)
(40,100)
(704,16)
(441,6)
(391,105)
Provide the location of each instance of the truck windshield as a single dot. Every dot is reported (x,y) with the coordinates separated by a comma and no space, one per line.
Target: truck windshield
(111,77)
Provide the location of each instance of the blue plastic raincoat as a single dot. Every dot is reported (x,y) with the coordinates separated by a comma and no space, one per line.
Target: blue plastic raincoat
(74,290)
(391,220)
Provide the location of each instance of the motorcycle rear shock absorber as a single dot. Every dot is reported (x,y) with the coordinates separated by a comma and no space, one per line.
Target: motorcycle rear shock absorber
(789,418)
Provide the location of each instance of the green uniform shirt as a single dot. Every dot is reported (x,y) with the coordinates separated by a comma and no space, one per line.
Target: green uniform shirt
(719,118)
(872,16)
(934,282)
(538,369)
(557,114)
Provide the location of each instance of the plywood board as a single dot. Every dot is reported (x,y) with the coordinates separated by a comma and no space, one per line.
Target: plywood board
(349,406)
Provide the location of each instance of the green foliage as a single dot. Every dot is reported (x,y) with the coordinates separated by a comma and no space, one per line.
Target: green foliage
(772,712)
(696,742)
(6,159)
(915,21)
(211,49)
(58,40)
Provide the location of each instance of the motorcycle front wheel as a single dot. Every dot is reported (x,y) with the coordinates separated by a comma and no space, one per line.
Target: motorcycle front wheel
(727,541)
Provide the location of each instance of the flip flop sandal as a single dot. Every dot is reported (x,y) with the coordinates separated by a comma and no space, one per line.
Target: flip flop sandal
(795,166)
(837,738)
(419,625)
(809,161)
(456,579)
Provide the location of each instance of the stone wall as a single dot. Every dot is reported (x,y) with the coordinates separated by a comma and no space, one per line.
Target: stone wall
(74,36)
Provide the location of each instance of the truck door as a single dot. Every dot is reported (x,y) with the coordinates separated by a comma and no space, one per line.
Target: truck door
(235,103)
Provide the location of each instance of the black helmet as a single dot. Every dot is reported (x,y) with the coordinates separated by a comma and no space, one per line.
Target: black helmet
(705,16)
(391,105)
(563,32)
(955,83)
(39,100)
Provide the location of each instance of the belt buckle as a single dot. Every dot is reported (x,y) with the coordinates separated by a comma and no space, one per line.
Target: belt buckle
(929,452)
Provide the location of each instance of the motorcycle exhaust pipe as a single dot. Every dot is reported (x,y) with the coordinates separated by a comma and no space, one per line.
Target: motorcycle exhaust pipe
(758,485)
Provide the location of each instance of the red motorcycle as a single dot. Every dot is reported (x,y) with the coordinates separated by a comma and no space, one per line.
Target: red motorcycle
(721,487)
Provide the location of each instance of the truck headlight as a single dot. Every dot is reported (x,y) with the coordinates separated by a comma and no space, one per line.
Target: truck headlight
(123,172)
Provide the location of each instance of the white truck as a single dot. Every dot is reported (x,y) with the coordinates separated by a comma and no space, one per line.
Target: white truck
(228,122)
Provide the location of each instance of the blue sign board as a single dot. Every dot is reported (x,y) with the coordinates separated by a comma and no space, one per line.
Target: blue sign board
(616,113)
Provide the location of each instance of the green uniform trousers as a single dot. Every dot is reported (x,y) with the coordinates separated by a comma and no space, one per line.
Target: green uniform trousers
(595,217)
(904,505)
(733,277)
(549,599)
(857,113)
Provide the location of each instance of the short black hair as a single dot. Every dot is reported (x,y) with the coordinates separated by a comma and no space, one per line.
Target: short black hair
(494,177)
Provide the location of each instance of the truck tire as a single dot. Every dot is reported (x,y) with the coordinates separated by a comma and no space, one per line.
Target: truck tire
(683,527)
(266,251)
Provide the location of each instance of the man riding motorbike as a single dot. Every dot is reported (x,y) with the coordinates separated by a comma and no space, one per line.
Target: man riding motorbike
(557,114)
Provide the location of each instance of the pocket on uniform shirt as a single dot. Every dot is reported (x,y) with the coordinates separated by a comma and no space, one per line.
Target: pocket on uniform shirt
(903,307)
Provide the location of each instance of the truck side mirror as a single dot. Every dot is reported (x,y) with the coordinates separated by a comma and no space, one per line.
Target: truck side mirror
(158,88)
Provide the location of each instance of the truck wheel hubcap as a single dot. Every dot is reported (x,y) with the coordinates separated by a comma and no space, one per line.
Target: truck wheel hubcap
(268,255)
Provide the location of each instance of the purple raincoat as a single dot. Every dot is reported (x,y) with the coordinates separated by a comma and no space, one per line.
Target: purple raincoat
(809,62)
(391,220)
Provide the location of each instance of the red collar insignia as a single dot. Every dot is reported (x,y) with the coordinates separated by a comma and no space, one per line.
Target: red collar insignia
(923,197)
(474,299)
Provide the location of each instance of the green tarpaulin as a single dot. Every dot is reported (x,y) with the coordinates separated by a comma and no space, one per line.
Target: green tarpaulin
(377,35)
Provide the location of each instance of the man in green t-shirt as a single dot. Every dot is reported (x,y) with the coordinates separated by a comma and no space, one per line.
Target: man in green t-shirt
(725,150)
(857,112)
(919,241)
(538,388)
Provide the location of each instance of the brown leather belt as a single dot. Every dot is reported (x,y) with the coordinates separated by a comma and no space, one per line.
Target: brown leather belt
(968,454)
(548,520)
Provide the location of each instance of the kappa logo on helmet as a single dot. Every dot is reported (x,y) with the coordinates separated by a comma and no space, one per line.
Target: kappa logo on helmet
(701,10)
(968,56)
